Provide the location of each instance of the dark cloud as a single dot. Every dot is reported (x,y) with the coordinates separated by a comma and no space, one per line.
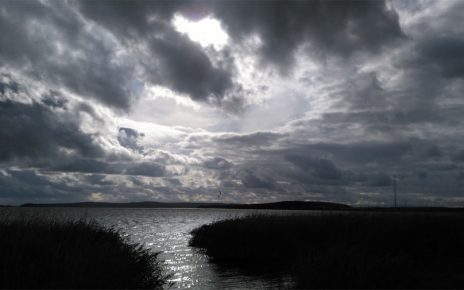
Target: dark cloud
(128,138)
(422,174)
(217,163)
(321,168)
(351,172)
(361,152)
(20,186)
(67,50)
(98,179)
(36,131)
(64,52)
(147,169)
(248,140)
(55,100)
(173,181)
(250,180)
(338,27)
(459,157)
(387,120)
(380,179)
(431,66)
(46,133)
(29,177)
(444,54)
(362,92)
(438,45)
(130,18)
(433,152)
(94,166)
(8,85)
(173,60)
(50,43)
(86,165)
(185,68)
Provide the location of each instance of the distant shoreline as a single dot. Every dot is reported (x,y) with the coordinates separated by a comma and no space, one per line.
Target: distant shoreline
(283,205)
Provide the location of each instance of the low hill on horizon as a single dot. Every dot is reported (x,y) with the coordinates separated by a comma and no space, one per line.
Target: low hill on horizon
(290,205)
(293,205)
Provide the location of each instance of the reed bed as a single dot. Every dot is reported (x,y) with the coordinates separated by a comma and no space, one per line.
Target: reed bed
(73,254)
(345,249)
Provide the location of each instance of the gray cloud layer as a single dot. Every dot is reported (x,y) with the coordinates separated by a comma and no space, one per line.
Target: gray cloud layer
(69,46)
(173,59)
(385,99)
(340,27)
(34,131)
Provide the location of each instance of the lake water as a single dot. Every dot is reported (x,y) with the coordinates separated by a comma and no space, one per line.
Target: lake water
(168,231)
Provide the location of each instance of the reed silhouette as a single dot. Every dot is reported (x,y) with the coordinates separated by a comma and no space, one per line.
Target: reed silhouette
(49,254)
(344,250)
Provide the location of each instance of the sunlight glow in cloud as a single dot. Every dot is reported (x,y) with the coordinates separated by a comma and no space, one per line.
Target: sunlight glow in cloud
(207,31)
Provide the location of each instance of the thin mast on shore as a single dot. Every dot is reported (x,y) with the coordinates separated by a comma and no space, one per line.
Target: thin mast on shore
(394,190)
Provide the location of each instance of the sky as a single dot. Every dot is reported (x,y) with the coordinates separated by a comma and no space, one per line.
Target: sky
(264,101)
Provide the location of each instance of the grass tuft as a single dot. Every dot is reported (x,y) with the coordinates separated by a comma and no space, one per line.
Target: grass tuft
(49,254)
(344,250)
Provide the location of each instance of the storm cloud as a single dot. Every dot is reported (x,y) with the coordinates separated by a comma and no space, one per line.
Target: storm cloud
(329,27)
(34,131)
(172,59)
(262,100)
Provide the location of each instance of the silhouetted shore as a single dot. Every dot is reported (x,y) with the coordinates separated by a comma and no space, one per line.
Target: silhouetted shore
(68,255)
(283,205)
(345,249)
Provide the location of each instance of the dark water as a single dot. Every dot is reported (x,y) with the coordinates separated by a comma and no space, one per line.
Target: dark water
(168,231)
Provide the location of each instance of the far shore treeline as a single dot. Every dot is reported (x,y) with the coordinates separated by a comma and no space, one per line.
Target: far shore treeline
(281,205)
(291,205)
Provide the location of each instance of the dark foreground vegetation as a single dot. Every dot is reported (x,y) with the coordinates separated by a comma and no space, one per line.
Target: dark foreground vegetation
(344,250)
(74,254)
